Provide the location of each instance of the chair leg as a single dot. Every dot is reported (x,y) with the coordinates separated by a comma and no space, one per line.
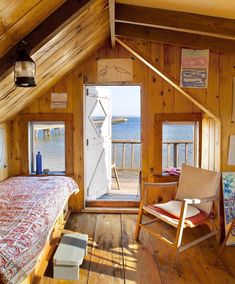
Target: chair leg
(139,220)
(179,233)
(175,251)
(225,240)
(116,177)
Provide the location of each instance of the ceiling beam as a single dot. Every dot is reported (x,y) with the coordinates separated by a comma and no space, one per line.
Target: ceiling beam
(178,21)
(175,37)
(44,32)
(206,109)
(112,21)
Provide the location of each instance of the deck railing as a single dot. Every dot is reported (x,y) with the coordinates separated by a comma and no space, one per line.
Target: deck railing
(127,153)
(173,152)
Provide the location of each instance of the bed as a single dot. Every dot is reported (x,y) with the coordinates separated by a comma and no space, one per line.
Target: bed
(29,209)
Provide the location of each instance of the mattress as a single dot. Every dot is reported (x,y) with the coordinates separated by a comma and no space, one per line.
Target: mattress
(29,207)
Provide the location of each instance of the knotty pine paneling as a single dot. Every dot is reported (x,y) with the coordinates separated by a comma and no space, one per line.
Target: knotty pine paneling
(4,170)
(157,97)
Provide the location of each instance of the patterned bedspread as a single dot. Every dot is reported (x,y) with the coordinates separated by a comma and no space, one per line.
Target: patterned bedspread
(29,207)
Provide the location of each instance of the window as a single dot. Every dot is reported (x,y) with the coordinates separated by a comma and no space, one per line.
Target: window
(177,141)
(64,160)
(97,117)
(48,138)
(179,144)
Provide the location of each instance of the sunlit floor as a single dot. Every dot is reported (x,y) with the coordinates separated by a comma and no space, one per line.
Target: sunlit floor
(114,256)
(129,186)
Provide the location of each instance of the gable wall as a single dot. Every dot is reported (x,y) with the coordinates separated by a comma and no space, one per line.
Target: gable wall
(157,97)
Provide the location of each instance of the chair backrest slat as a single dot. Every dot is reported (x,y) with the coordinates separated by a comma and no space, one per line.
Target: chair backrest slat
(198,183)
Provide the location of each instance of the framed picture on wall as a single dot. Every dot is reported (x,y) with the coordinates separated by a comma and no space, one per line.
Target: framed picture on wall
(194,68)
(115,70)
(228,182)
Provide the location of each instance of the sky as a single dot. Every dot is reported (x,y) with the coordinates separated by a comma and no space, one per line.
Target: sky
(125,99)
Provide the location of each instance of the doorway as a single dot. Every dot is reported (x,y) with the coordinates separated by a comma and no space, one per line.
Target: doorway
(112,124)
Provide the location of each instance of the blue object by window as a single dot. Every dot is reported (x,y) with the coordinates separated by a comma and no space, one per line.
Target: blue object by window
(38,163)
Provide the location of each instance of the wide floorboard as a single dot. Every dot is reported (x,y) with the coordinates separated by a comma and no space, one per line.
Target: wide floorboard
(114,256)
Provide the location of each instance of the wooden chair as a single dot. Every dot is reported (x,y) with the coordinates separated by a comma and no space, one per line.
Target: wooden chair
(113,166)
(197,191)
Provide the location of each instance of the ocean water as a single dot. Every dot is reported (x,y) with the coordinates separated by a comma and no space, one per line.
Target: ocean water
(52,148)
(177,133)
(132,130)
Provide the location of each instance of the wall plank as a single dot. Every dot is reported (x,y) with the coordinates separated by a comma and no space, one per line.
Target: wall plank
(156,97)
(4,170)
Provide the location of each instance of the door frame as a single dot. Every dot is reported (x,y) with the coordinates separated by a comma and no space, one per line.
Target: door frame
(113,203)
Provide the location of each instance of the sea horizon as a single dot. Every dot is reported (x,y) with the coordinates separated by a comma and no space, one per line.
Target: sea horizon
(52,149)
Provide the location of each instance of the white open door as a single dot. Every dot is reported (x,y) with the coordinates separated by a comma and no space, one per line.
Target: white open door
(97,143)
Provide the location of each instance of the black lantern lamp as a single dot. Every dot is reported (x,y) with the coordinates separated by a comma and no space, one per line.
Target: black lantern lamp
(24,68)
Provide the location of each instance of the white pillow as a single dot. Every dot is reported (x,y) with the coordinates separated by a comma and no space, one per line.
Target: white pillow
(173,207)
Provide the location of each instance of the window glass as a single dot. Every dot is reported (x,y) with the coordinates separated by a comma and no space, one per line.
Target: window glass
(98,116)
(48,138)
(178,147)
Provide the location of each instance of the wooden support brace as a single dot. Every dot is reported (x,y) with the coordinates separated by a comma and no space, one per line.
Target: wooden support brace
(171,81)
(112,21)
(197,241)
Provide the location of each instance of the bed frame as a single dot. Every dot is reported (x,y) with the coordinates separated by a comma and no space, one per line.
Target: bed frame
(48,250)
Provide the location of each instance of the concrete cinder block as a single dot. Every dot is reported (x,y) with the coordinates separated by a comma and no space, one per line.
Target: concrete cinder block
(69,256)
(66,272)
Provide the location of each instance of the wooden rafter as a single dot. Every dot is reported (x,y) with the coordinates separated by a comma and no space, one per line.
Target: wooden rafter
(44,32)
(112,21)
(175,37)
(206,109)
(78,40)
(19,18)
(177,21)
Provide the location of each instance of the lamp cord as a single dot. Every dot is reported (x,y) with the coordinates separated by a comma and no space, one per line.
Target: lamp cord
(5,96)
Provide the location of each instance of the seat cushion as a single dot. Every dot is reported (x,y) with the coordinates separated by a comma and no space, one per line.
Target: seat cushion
(173,207)
(174,221)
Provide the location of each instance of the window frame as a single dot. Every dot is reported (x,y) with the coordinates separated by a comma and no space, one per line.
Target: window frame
(31,134)
(67,119)
(160,119)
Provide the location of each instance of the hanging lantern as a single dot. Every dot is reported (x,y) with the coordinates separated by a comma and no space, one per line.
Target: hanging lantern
(24,68)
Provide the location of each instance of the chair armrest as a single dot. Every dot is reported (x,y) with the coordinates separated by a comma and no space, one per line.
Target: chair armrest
(161,184)
(200,200)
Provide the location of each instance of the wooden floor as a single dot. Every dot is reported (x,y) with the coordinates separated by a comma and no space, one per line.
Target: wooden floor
(114,256)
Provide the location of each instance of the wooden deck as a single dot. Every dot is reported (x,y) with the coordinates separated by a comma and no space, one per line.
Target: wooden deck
(114,256)
(129,187)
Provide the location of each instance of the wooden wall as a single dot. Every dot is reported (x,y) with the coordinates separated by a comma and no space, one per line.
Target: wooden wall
(157,97)
(4,170)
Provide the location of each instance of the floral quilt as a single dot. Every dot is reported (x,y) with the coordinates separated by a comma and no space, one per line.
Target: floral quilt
(29,207)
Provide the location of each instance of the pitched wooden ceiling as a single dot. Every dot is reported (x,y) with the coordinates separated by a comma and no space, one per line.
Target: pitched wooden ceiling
(82,34)
(177,27)
(71,45)
(19,17)
(216,8)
